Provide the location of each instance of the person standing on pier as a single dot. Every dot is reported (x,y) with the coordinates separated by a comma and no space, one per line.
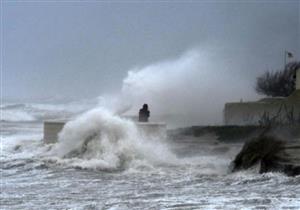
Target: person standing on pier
(144,113)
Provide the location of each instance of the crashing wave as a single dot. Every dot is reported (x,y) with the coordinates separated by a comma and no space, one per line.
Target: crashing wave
(16,116)
(101,140)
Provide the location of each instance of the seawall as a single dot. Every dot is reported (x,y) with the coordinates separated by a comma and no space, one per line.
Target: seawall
(279,110)
(237,132)
(151,129)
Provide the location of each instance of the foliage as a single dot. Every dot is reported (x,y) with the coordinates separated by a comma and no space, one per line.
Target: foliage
(284,116)
(279,83)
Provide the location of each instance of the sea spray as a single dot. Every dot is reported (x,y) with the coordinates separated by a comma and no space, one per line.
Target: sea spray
(101,140)
(186,90)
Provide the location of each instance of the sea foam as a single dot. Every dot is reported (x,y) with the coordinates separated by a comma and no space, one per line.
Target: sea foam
(101,140)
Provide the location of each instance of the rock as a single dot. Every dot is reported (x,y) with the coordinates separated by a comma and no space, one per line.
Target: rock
(273,155)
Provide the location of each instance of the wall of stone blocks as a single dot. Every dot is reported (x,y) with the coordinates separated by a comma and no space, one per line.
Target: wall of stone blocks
(252,113)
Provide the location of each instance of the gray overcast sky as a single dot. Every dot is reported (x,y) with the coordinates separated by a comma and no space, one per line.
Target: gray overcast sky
(84,49)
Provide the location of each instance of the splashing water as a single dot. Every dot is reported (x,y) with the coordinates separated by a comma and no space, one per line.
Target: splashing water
(36,176)
(194,179)
(98,139)
(188,88)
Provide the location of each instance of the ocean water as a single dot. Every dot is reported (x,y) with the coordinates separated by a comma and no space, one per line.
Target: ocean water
(103,162)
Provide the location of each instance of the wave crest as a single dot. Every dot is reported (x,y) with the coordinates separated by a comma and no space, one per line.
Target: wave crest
(101,140)
(16,116)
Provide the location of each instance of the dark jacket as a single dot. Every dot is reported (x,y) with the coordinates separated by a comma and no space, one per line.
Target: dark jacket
(144,114)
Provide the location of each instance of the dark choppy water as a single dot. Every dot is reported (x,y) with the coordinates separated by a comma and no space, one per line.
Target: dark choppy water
(193,176)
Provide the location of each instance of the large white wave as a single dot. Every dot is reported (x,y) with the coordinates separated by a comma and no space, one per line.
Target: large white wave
(99,139)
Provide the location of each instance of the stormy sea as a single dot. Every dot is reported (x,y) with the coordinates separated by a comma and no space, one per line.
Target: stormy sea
(120,169)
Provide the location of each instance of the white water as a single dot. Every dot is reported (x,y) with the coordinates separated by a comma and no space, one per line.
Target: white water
(112,142)
(120,169)
(102,161)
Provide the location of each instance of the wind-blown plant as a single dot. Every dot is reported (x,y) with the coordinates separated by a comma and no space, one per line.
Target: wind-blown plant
(279,83)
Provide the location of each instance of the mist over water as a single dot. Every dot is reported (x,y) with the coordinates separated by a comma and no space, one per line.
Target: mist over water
(192,87)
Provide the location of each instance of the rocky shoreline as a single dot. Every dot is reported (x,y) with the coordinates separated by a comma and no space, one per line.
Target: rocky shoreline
(275,149)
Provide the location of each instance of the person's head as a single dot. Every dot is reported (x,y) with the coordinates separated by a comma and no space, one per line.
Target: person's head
(145,106)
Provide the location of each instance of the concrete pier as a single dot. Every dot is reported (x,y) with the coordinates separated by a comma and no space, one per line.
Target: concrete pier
(151,129)
(51,130)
